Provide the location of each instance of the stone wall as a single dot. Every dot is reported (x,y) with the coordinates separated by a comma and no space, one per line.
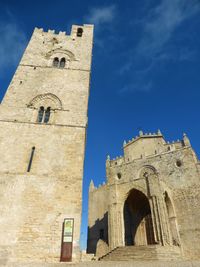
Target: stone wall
(97,217)
(34,203)
(168,175)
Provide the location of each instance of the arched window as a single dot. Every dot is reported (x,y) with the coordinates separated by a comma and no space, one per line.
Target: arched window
(40,114)
(79,32)
(47,115)
(55,62)
(62,63)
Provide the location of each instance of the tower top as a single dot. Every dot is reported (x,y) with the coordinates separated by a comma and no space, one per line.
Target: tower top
(54,67)
(76,31)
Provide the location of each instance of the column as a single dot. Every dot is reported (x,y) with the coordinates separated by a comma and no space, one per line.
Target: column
(115,225)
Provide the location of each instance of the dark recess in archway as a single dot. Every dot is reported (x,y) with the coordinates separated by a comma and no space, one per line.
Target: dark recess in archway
(137,220)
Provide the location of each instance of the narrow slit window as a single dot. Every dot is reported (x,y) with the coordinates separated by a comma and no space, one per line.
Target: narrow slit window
(79,32)
(47,115)
(31,159)
(62,63)
(55,62)
(40,114)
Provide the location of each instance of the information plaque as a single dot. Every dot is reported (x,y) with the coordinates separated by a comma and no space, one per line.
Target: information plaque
(67,240)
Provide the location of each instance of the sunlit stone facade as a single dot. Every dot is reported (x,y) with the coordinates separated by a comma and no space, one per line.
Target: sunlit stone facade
(43,120)
(151,198)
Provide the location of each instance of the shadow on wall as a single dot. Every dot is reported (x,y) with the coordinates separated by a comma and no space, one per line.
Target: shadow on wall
(98,231)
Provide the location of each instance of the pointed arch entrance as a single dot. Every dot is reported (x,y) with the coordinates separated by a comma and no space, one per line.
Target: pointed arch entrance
(138,224)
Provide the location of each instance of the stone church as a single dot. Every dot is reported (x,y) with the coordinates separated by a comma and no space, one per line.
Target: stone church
(149,206)
(43,120)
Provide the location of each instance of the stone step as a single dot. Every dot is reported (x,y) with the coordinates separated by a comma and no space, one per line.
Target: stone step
(153,252)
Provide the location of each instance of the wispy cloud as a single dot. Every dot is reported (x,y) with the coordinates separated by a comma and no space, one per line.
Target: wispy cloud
(156,44)
(162,21)
(103,18)
(137,85)
(13,41)
(102,15)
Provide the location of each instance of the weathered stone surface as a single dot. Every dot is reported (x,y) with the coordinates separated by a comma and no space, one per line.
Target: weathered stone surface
(34,204)
(102,248)
(151,197)
(116,264)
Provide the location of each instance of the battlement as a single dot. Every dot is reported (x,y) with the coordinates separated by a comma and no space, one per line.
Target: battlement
(143,135)
(76,30)
(147,146)
(115,161)
(92,187)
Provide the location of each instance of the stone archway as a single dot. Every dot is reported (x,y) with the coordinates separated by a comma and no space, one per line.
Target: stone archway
(138,224)
(172,221)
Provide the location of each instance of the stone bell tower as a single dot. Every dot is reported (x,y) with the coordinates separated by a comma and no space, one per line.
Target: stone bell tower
(43,120)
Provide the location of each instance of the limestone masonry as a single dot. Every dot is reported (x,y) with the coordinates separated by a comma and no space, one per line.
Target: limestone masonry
(43,120)
(149,206)
(147,210)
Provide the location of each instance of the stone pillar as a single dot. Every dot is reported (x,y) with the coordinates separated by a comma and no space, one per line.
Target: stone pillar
(154,214)
(167,237)
(115,225)
(157,220)
(162,220)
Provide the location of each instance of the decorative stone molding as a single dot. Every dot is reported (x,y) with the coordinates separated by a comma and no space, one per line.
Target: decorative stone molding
(147,171)
(61,53)
(45,100)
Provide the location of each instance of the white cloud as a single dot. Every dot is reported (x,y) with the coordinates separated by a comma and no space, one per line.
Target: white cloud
(156,44)
(13,41)
(137,86)
(101,15)
(161,23)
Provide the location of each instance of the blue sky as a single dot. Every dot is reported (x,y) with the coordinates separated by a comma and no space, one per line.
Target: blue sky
(145,72)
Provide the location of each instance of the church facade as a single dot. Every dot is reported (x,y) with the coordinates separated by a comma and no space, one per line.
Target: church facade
(43,121)
(150,200)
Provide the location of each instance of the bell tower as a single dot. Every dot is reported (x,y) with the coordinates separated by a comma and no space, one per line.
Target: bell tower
(43,121)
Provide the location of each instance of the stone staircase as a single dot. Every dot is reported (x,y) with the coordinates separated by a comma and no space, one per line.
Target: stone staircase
(147,253)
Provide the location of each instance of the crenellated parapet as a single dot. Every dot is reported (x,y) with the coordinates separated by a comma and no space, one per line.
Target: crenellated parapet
(147,145)
(93,188)
(142,135)
(115,161)
(76,30)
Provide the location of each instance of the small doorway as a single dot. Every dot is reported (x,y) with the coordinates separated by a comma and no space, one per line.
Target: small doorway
(137,220)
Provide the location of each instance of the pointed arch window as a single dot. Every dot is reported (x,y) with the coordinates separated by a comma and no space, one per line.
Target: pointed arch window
(40,114)
(62,63)
(47,115)
(56,62)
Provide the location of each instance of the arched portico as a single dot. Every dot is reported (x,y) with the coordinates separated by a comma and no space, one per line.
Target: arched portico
(138,225)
